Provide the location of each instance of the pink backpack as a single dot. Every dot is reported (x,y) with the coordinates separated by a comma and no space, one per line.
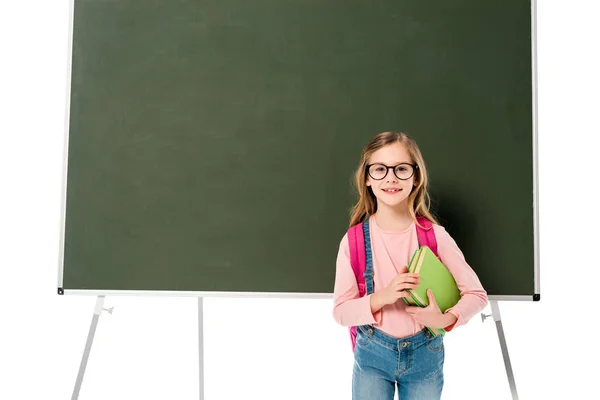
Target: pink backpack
(358,260)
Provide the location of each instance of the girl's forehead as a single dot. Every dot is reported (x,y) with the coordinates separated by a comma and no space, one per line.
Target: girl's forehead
(390,154)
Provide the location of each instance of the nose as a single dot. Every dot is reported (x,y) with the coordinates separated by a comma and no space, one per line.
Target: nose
(391,176)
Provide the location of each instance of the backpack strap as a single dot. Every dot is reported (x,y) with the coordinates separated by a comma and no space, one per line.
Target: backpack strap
(358,261)
(356,241)
(426,235)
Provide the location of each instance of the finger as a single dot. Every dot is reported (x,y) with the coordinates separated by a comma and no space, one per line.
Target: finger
(407,279)
(404,286)
(403,270)
(411,274)
(431,297)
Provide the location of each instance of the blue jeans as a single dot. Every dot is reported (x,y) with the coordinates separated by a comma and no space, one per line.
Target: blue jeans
(415,364)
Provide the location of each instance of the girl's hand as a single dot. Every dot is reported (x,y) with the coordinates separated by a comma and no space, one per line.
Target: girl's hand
(395,290)
(431,315)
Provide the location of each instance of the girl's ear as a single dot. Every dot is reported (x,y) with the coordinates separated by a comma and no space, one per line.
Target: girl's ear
(416,181)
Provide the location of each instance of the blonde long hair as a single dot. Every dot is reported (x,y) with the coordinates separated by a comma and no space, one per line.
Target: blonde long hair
(418,199)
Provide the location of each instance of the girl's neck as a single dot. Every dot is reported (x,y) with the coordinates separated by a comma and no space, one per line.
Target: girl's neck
(393,219)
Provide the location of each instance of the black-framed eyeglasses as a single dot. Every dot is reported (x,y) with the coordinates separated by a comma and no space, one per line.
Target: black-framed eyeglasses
(403,171)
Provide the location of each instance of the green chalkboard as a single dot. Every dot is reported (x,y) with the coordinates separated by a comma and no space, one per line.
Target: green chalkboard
(211,144)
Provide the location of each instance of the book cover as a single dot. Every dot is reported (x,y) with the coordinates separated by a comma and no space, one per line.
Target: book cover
(435,276)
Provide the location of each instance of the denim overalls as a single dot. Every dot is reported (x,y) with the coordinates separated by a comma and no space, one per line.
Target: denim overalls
(414,363)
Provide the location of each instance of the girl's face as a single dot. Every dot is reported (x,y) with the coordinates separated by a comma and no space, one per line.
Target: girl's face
(386,184)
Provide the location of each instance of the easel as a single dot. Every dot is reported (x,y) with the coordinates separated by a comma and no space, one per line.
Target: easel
(99,308)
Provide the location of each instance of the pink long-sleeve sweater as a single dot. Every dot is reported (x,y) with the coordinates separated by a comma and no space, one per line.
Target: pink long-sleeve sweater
(392,251)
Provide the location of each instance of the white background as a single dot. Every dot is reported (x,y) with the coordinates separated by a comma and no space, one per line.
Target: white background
(274,348)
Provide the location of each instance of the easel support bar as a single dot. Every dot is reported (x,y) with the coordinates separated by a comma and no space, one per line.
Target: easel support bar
(88,346)
(201,347)
(504,347)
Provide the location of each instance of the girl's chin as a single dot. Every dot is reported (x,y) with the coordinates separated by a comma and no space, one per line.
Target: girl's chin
(393,204)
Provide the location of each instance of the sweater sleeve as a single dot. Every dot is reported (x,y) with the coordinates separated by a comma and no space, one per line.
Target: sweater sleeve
(473,296)
(348,308)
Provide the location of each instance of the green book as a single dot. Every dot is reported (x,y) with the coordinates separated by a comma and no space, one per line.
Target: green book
(434,276)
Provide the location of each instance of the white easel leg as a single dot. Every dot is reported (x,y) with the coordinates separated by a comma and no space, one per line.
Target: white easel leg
(201,347)
(502,338)
(88,346)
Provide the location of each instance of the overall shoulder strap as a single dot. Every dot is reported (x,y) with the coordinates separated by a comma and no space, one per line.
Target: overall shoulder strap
(426,235)
(357,255)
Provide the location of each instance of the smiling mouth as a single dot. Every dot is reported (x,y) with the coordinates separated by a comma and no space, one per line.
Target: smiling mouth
(391,190)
